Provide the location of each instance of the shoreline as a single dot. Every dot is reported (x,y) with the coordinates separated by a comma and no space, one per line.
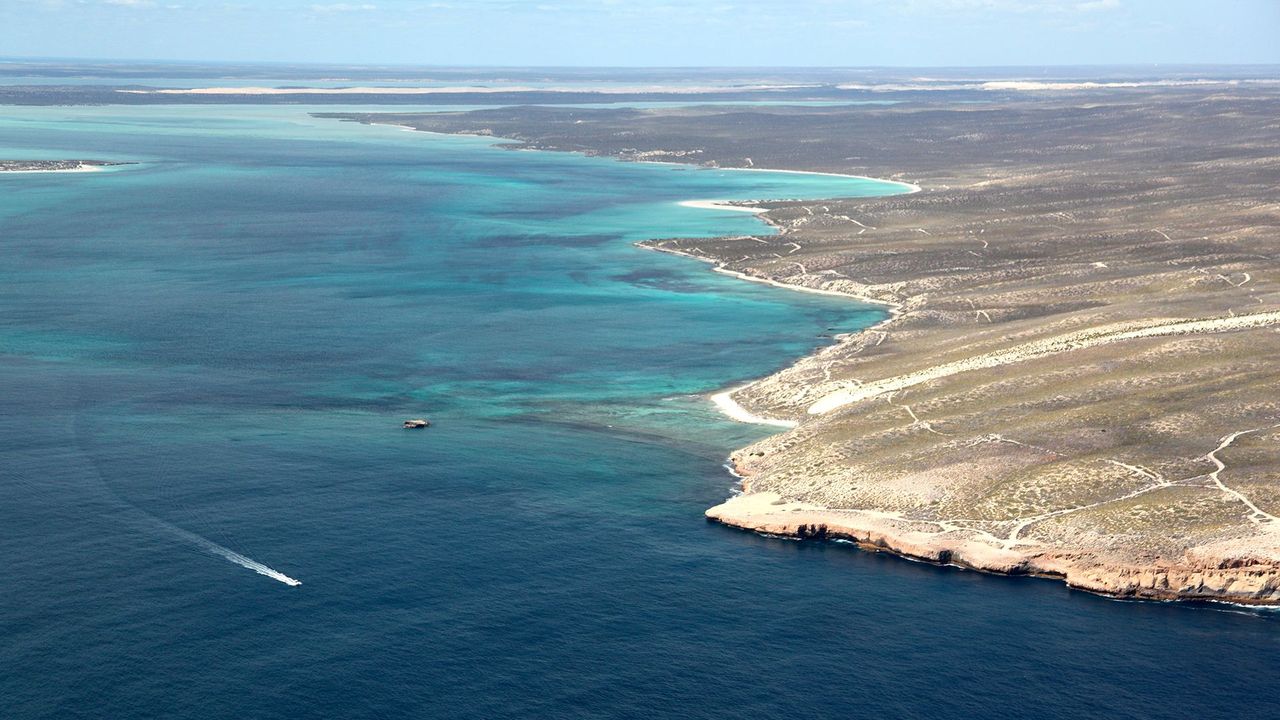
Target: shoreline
(1248,585)
(78,169)
(410,128)
(911,187)
(729,407)
(766,513)
(603,90)
(721,205)
(723,400)
(512,143)
(26,166)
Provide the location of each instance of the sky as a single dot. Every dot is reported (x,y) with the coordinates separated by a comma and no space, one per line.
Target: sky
(740,33)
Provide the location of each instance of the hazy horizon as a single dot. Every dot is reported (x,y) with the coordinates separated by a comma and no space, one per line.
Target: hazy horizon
(613,33)
(158,62)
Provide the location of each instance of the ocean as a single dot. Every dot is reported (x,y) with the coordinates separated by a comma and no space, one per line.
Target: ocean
(206,358)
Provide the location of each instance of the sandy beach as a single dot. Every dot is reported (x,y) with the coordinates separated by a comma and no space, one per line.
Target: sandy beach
(725,403)
(720,205)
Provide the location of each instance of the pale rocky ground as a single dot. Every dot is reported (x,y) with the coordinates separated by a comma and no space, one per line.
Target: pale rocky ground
(1080,377)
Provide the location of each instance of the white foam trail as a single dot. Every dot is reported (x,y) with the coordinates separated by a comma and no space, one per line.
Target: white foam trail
(197,540)
(232,555)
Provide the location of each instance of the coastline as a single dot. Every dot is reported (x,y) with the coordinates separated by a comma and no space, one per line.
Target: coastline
(1209,574)
(25,167)
(723,400)
(911,187)
(231,334)
(725,403)
(604,90)
(495,141)
(720,205)
(768,514)
(765,513)
(513,143)
(77,169)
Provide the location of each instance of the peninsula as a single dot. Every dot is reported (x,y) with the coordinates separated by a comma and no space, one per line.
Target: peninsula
(27,166)
(1076,374)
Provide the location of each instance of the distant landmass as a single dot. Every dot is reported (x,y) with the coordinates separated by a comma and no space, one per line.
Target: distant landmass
(55,165)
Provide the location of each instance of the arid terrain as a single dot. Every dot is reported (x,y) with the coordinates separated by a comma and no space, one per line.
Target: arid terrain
(26,166)
(1078,377)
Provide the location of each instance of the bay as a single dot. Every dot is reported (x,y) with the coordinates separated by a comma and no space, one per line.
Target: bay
(220,343)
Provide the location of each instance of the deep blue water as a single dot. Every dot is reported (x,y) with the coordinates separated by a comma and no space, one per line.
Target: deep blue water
(220,343)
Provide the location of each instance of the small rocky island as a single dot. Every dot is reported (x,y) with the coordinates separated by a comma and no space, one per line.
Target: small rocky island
(55,165)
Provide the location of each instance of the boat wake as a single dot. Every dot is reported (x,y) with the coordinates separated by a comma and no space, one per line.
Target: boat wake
(229,554)
(146,517)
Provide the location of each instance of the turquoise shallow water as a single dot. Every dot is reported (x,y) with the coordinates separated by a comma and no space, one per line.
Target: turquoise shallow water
(215,348)
(500,282)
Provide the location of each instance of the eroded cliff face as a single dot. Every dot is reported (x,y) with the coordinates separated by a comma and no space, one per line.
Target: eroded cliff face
(1239,574)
